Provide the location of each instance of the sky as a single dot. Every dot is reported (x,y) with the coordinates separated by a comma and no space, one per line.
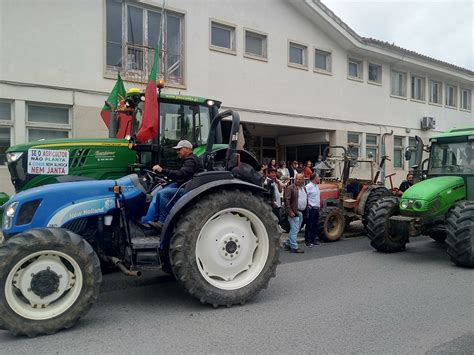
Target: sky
(442,29)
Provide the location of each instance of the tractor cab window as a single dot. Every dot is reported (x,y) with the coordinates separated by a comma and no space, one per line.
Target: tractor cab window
(452,158)
(182,121)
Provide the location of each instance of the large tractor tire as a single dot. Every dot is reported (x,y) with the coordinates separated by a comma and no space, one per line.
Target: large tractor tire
(49,278)
(331,224)
(225,247)
(375,195)
(460,234)
(377,226)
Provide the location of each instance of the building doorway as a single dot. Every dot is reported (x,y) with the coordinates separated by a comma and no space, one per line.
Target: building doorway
(303,153)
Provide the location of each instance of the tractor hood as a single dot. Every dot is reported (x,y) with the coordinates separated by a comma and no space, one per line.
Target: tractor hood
(67,143)
(58,204)
(432,197)
(431,188)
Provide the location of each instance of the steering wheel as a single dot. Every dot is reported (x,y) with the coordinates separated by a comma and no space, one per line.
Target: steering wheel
(154,178)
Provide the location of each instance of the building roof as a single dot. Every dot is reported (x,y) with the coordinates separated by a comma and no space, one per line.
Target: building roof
(388,46)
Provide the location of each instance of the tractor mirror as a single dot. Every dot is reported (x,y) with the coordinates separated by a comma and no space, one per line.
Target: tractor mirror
(407,154)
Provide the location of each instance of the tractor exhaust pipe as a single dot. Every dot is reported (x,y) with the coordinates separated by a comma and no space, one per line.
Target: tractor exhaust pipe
(119,264)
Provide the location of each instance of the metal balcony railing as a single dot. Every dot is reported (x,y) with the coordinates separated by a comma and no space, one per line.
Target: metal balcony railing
(139,60)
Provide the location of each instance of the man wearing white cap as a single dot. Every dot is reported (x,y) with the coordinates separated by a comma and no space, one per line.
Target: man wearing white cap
(191,165)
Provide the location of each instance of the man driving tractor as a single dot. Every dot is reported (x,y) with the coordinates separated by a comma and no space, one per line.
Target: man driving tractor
(191,165)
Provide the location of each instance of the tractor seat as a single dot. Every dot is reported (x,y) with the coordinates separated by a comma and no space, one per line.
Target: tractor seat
(349,203)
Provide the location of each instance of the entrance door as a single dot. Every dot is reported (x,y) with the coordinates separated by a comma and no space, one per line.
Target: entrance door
(303,153)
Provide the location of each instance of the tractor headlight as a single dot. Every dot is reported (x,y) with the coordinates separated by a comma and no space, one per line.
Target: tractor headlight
(418,204)
(13,157)
(9,214)
(210,103)
(407,204)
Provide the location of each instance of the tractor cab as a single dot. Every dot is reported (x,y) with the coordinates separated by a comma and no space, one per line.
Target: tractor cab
(453,156)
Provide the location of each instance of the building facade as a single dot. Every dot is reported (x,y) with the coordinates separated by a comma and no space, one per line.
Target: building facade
(300,78)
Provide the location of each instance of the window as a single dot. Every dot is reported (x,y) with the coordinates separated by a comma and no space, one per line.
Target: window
(297,54)
(371,146)
(375,73)
(355,69)
(255,44)
(399,84)
(132,35)
(47,122)
(436,92)
(5,129)
(417,88)
(222,37)
(451,95)
(322,61)
(353,141)
(398,152)
(466,99)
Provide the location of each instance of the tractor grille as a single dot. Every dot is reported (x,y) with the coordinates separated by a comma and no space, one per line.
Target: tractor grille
(76,226)
(77,157)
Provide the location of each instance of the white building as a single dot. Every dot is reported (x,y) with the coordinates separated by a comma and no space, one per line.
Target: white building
(298,75)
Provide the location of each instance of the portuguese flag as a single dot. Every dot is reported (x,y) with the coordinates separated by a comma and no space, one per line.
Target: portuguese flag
(118,94)
(149,127)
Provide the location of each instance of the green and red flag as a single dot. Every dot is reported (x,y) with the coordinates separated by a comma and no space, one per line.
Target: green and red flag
(150,120)
(116,97)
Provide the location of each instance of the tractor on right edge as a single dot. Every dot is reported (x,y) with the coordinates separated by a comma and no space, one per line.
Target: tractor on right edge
(441,206)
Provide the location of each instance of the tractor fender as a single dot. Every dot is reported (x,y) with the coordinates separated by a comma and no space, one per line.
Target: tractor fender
(193,195)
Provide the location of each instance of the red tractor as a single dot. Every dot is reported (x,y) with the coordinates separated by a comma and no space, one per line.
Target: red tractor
(348,199)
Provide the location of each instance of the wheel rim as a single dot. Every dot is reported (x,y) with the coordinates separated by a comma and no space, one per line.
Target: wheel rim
(232,248)
(43,285)
(334,226)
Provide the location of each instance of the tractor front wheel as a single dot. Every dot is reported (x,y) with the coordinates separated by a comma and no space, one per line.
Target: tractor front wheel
(377,226)
(375,195)
(225,247)
(460,234)
(49,278)
(331,224)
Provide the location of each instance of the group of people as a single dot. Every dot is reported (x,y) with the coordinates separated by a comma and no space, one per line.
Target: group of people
(300,201)
(289,171)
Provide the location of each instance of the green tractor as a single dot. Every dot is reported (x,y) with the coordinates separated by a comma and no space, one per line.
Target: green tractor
(440,206)
(181,117)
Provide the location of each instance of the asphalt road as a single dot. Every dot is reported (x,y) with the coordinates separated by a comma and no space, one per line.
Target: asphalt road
(336,298)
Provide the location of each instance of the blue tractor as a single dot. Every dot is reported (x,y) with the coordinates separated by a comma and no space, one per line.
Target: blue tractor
(220,240)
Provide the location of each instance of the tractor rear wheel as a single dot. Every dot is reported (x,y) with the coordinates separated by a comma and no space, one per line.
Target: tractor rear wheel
(225,247)
(460,234)
(374,196)
(331,224)
(49,278)
(377,226)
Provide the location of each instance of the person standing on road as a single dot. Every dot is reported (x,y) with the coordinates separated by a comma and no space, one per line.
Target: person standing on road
(406,184)
(307,170)
(314,200)
(296,202)
(277,191)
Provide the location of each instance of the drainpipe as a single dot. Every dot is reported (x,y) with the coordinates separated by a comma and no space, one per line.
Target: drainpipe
(383,153)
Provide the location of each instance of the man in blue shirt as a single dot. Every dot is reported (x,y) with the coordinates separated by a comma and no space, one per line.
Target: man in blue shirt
(314,201)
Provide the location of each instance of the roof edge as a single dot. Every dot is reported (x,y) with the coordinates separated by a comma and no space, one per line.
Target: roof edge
(386,45)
